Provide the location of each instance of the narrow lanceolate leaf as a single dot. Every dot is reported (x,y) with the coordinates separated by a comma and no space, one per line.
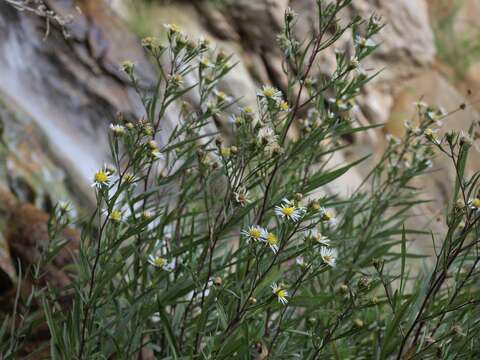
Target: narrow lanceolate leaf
(323,178)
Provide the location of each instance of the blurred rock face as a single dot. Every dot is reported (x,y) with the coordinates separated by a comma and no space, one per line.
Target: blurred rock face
(58,95)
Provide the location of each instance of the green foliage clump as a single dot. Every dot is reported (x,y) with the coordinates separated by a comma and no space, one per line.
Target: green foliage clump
(203,246)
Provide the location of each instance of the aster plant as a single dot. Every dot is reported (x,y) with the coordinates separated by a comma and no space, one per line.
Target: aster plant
(207,246)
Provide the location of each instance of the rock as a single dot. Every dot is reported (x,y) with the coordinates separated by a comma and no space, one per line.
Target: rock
(8,275)
(71,88)
(27,236)
(267,15)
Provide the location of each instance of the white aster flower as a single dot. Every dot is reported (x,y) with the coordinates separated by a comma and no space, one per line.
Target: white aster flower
(288,210)
(300,261)
(364,43)
(117,130)
(273,148)
(102,178)
(316,236)
(272,240)
(255,233)
(161,262)
(222,97)
(270,93)
(328,217)
(172,28)
(242,197)
(474,204)
(266,135)
(280,293)
(329,255)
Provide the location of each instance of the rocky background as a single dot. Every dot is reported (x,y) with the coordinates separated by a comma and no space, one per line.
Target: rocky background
(58,94)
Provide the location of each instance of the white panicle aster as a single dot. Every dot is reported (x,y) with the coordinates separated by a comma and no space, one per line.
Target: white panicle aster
(364,43)
(266,135)
(270,93)
(316,236)
(300,261)
(329,255)
(255,233)
(161,262)
(272,240)
(474,204)
(328,217)
(280,293)
(288,210)
(117,130)
(102,178)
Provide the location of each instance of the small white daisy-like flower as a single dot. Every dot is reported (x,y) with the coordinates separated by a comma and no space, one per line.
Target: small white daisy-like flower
(255,233)
(288,210)
(102,178)
(161,262)
(364,43)
(431,135)
(300,261)
(328,217)
(272,240)
(270,93)
(65,206)
(172,28)
(283,106)
(242,197)
(117,130)
(222,97)
(354,62)
(474,204)
(176,79)
(273,148)
(316,236)
(329,255)
(266,135)
(247,110)
(155,153)
(155,317)
(280,292)
(465,138)
(116,216)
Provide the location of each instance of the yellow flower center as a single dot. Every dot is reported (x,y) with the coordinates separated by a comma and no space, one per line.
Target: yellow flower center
(328,215)
(268,92)
(248,109)
(428,132)
(281,293)
(175,28)
(225,152)
(272,239)
(101,177)
(327,258)
(116,215)
(159,261)
(284,106)
(288,210)
(177,78)
(476,203)
(255,233)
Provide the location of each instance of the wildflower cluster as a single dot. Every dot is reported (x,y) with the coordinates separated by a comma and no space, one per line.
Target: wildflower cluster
(221,245)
